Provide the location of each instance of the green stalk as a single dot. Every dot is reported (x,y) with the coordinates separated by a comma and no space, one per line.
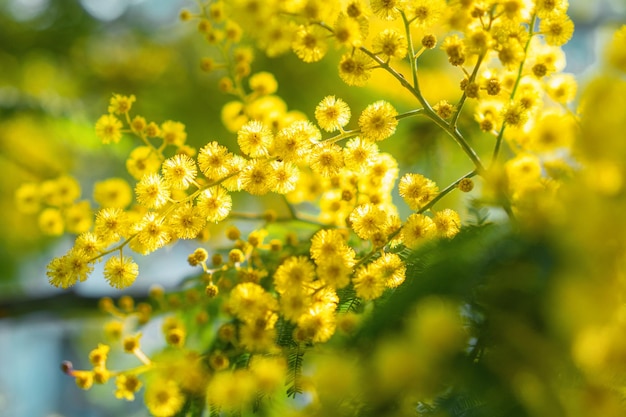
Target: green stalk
(498,145)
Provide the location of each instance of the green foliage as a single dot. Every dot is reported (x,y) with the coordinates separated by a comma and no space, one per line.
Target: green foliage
(348,300)
(295,361)
(501,280)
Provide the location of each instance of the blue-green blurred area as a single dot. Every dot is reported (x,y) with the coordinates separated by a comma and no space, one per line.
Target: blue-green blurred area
(60,62)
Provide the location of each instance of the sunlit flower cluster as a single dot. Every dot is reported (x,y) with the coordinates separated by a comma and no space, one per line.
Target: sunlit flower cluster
(350,214)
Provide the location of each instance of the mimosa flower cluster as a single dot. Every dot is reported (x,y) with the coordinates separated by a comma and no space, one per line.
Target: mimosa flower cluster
(237,331)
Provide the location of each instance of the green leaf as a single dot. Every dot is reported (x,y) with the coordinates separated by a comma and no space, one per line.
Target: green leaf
(295,359)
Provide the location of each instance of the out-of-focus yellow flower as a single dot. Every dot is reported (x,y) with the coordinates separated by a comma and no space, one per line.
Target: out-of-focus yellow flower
(126,386)
(113,192)
(163,397)
(109,129)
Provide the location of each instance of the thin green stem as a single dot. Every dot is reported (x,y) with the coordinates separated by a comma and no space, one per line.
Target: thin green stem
(238,90)
(447,191)
(344,134)
(147,143)
(531,33)
(253,216)
(141,136)
(498,145)
(573,115)
(472,78)
(426,207)
(114,249)
(142,357)
(410,113)
(427,111)
(127,117)
(403,81)
(136,370)
(411,55)
(196,193)
(246,216)
(290,207)
(300,217)
(506,205)
(459,139)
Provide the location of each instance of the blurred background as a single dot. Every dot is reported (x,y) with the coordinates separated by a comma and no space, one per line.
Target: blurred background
(60,61)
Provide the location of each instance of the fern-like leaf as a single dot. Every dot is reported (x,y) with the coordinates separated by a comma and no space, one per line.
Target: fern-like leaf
(478,212)
(453,405)
(295,360)
(214,410)
(285,333)
(242,361)
(348,301)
